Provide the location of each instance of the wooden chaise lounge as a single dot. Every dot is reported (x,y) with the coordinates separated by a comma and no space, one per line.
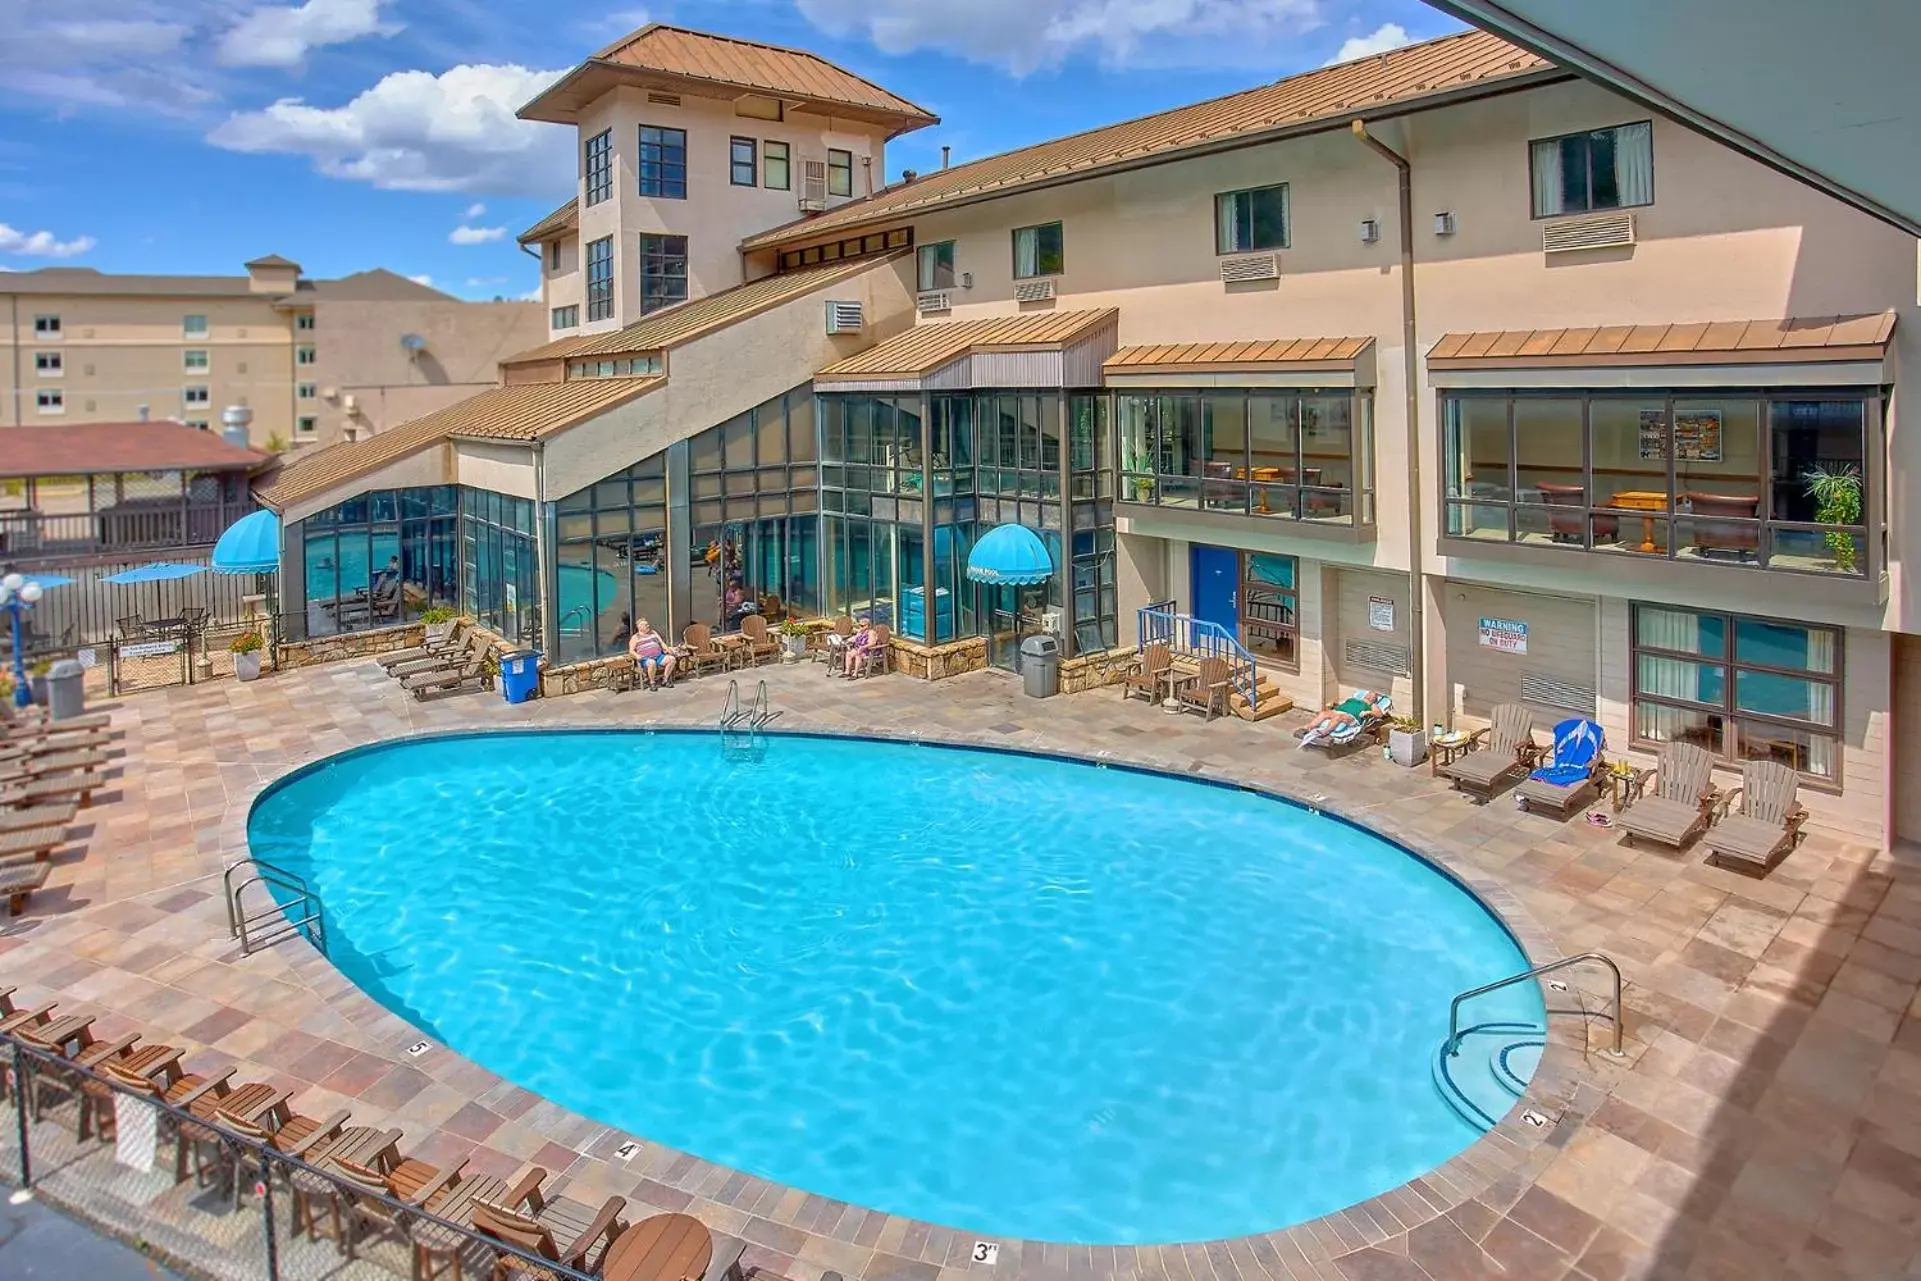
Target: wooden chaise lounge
(1681,804)
(1766,825)
(475,646)
(452,643)
(1507,751)
(53,787)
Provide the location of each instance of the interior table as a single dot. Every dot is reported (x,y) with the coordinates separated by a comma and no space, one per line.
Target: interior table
(1642,500)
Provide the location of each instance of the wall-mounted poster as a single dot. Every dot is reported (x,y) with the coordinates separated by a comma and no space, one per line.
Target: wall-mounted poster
(1505,634)
(1697,436)
(1380,613)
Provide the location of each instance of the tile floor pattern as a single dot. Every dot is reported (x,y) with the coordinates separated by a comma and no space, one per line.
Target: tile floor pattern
(1766,1123)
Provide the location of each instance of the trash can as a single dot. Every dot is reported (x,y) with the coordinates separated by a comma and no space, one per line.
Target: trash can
(1041,666)
(519,675)
(66,690)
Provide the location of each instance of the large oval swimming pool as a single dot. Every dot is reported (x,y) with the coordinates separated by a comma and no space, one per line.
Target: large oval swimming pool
(1016,995)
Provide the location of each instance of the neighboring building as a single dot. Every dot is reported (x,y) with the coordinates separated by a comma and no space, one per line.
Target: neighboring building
(1599,468)
(689,143)
(315,360)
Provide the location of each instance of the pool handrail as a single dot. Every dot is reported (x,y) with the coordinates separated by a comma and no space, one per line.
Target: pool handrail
(1454,1034)
(305,902)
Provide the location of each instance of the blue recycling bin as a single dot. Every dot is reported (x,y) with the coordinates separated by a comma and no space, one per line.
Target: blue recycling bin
(519,675)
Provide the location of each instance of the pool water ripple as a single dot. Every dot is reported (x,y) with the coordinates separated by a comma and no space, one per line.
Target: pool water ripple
(1019,996)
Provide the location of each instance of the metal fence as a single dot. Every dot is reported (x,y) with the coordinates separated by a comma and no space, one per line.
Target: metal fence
(164,1167)
(88,611)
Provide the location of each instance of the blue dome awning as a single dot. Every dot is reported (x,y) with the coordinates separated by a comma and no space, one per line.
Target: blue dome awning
(1011,555)
(251,545)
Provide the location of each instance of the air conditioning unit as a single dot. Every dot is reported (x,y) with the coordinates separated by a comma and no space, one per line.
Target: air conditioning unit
(844,318)
(933,300)
(1601,231)
(1251,267)
(1051,622)
(1033,290)
(813,186)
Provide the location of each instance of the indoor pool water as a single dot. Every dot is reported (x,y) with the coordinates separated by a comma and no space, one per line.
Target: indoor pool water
(1018,996)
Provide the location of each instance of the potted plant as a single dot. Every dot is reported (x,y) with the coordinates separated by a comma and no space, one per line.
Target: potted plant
(1406,742)
(439,620)
(37,680)
(793,639)
(489,671)
(1836,491)
(247,649)
(1143,489)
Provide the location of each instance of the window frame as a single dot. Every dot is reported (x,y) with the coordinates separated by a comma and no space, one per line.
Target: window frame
(47,325)
(49,364)
(768,160)
(600,283)
(1730,757)
(844,167)
(564,317)
(1040,271)
(195,395)
(189,365)
(553,257)
(50,400)
(597,167)
(304,354)
(655,249)
(1537,216)
(735,164)
(920,266)
(1287,220)
(306,425)
(657,158)
(306,391)
(189,330)
(303,322)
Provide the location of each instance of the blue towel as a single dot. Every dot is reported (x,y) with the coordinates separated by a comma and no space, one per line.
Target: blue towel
(1576,743)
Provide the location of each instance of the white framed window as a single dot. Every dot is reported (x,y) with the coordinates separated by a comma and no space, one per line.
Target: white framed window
(49,364)
(46,326)
(305,391)
(197,394)
(199,424)
(1579,173)
(937,266)
(303,321)
(306,425)
(304,354)
(50,400)
(194,360)
(1250,221)
(194,326)
(1039,251)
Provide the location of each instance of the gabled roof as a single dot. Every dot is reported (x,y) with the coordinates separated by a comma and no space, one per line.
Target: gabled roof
(520,413)
(1472,61)
(690,320)
(697,62)
(1279,353)
(1796,340)
(94,449)
(377,285)
(925,348)
(271,260)
(564,219)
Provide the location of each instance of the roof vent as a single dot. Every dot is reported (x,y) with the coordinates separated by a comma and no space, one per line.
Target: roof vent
(1602,231)
(844,318)
(908,175)
(664,99)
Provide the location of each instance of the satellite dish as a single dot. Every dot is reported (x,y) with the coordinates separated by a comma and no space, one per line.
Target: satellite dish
(413,344)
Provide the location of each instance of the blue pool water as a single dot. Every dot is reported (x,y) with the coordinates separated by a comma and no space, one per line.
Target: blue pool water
(1018,996)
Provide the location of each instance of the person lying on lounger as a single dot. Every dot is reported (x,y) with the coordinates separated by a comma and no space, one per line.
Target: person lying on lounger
(1344,716)
(652,659)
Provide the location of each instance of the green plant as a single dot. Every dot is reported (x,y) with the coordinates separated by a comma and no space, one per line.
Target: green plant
(1406,724)
(792,627)
(1143,489)
(276,443)
(435,615)
(1836,491)
(40,667)
(247,643)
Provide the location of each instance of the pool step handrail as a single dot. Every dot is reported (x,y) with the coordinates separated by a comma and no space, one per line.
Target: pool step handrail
(1452,1046)
(275,923)
(1198,638)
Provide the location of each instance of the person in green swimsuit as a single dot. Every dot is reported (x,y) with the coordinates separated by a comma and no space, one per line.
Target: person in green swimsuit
(1344,715)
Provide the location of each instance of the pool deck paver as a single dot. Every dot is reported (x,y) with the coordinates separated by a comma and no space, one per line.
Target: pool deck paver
(1766,1120)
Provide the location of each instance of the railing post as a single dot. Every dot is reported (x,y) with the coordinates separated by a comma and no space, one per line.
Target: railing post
(20,1113)
(266,1215)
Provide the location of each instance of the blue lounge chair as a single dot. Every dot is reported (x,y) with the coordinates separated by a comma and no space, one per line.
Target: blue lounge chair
(1567,781)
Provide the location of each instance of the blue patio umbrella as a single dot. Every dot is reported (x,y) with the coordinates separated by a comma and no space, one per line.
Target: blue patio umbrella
(164,571)
(49,580)
(251,545)
(1010,555)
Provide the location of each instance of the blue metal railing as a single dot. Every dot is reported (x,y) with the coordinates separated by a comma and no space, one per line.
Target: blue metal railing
(1188,637)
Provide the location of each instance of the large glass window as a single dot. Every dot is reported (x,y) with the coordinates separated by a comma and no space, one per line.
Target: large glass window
(499,581)
(1268,607)
(1039,251)
(663,272)
(599,164)
(663,162)
(1246,221)
(1745,478)
(1743,688)
(743,161)
(611,552)
(600,279)
(1598,169)
(840,172)
(776,166)
(379,559)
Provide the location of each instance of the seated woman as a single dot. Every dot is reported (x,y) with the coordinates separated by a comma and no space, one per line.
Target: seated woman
(653,661)
(1346,715)
(855,650)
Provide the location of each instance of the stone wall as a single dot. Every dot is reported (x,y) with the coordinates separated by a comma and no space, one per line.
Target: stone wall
(937,662)
(578,678)
(336,649)
(1091,671)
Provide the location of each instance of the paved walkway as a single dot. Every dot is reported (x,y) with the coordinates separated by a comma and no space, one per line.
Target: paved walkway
(39,1244)
(1767,1122)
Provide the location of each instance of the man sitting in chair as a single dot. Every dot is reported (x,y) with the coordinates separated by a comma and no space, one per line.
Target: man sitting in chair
(653,661)
(1344,717)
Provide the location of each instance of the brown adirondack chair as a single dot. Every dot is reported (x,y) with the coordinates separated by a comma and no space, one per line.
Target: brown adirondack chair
(879,654)
(759,645)
(1506,751)
(1767,824)
(699,652)
(1681,804)
(563,1231)
(1209,689)
(1146,675)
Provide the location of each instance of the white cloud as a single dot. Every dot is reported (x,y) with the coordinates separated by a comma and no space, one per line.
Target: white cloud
(423,279)
(105,53)
(475,210)
(41,244)
(465,235)
(1387,36)
(1026,35)
(533,295)
(483,282)
(282,37)
(415,131)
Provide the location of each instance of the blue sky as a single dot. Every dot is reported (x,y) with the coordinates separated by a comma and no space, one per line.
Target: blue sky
(188,135)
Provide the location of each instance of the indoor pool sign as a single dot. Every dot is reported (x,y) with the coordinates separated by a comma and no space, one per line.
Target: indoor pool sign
(1504,634)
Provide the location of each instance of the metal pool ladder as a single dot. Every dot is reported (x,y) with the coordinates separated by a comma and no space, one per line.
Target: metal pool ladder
(741,725)
(274,924)
(1453,1046)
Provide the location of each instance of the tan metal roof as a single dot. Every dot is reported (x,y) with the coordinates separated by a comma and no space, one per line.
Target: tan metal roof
(1279,353)
(702,316)
(1723,342)
(528,412)
(697,61)
(564,219)
(377,284)
(1315,100)
(925,348)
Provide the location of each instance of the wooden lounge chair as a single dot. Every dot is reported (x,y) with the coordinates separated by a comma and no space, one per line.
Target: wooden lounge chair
(96,1092)
(471,673)
(1569,778)
(199,1151)
(759,645)
(276,1125)
(36,720)
(879,653)
(50,814)
(373,1197)
(453,1200)
(538,1224)
(24,845)
(1681,803)
(699,650)
(1767,824)
(38,765)
(1146,675)
(17,883)
(476,645)
(1209,689)
(454,641)
(1506,751)
(54,787)
(15,747)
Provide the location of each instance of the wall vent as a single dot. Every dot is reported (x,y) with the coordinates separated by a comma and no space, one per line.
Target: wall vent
(1033,290)
(933,300)
(1602,231)
(1378,656)
(1548,691)
(664,99)
(1252,267)
(844,318)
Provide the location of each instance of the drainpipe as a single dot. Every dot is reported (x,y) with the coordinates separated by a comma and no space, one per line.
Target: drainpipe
(1416,586)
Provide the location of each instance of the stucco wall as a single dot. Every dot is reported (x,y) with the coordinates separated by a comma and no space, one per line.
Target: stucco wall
(506,468)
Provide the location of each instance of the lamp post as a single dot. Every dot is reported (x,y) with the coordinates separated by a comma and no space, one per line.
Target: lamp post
(18,594)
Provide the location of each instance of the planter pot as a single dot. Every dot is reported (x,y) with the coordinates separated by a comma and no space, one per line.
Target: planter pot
(794,648)
(247,666)
(1407,747)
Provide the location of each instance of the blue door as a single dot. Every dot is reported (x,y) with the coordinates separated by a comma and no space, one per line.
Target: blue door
(1217,585)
